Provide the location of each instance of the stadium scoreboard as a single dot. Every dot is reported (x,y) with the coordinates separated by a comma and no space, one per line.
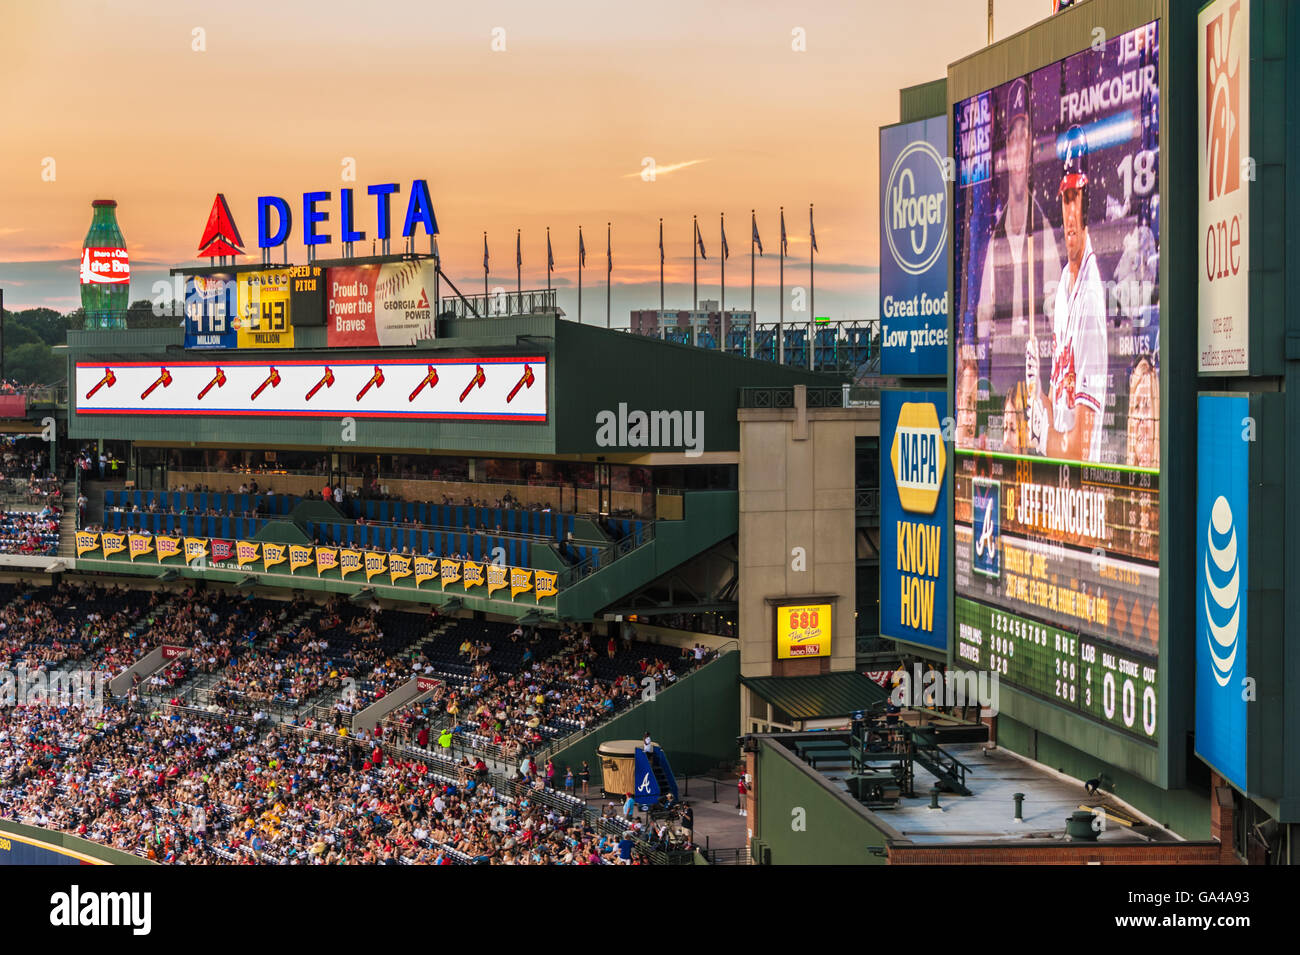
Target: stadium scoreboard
(1108,683)
(1056,382)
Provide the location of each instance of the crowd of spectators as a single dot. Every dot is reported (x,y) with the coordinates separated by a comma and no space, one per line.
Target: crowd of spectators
(191,790)
(30,532)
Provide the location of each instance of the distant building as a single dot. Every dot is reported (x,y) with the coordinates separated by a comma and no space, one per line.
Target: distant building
(707,322)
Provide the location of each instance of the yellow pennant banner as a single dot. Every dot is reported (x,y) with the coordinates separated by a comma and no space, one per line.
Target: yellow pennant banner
(86,542)
(246,552)
(520,581)
(398,567)
(546,584)
(497,577)
(426,568)
(473,575)
(349,561)
(450,571)
(299,557)
(273,554)
(139,544)
(375,564)
(167,546)
(327,558)
(196,548)
(113,543)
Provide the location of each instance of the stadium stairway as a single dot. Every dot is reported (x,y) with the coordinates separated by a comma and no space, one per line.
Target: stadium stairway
(68,521)
(708,518)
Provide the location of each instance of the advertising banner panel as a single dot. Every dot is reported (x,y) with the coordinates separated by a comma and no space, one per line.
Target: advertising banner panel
(913,243)
(1223,184)
(1222,582)
(374,305)
(469,389)
(803,631)
(914,519)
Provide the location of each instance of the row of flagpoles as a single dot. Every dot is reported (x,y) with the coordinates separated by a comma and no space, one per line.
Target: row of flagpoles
(697,252)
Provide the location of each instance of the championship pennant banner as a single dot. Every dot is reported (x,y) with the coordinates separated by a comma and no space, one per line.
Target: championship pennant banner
(467,389)
(325,562)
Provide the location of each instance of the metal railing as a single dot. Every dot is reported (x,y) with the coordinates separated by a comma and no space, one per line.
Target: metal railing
(817,397)
(607,555)
(819,346)
(500,302)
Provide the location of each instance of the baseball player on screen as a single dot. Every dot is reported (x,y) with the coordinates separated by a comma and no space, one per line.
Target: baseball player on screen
(1068,423)
(1020,260)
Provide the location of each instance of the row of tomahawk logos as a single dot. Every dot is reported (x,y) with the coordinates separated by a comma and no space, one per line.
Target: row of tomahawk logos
(213,552)
(327,380)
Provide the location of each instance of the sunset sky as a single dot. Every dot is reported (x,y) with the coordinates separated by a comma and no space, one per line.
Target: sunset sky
(550,131)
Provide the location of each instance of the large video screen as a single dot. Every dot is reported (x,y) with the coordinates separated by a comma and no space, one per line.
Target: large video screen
(1057,364)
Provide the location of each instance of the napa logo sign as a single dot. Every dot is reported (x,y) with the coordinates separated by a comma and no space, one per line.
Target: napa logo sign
(914,520)
(918,457)
(1223,685)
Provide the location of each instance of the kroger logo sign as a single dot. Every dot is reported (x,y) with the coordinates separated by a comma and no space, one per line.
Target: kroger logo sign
(916,210)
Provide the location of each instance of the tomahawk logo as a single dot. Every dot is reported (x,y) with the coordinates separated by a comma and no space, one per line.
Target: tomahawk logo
(1222,591)
(76,908)
(1223,55)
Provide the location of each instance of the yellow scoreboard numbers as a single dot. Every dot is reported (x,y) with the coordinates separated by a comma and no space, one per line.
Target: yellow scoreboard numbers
(803,631)
(264,317)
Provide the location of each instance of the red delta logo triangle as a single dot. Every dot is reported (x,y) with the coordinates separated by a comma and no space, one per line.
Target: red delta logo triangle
(424,300)
(220,236)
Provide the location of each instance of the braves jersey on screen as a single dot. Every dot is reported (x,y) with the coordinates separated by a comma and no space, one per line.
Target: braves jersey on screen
(1079,356)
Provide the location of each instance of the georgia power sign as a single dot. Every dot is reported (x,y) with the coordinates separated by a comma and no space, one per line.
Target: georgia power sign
(914,535)
(913,238)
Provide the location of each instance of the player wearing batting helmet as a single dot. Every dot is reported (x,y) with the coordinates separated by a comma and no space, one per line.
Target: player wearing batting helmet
(1021,259)
(1068,423)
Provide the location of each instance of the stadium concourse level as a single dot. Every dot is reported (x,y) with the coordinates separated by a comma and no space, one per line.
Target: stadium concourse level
(464,531)
(191,789)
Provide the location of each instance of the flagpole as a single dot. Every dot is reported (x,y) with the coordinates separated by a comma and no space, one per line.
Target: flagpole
(722,314)
(695,269)
(548,259)
(486,309)
(609,270)
(780,315)
(661,269)
(519,266)
(579,275)
(812,285)
(753,231)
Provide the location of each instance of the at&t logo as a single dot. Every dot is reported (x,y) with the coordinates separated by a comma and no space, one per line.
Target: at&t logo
(1222,591)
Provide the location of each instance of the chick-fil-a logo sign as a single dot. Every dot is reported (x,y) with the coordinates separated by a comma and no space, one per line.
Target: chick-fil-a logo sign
(1223,54)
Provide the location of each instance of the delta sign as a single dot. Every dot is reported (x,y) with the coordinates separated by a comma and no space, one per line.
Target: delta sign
(275,218)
